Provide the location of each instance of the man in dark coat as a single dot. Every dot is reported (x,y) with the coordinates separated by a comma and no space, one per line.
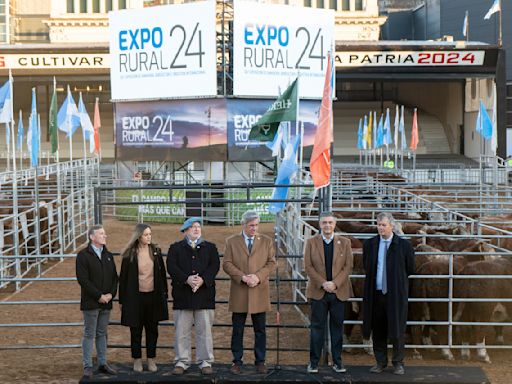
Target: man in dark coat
(388,261)
(193,264)
(96,273)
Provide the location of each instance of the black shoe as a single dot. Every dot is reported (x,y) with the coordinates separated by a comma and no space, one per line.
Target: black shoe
(377,368)
(399,369)
(88,373)
(107,369)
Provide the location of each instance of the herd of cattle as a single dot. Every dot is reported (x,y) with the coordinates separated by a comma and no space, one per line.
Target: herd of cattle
(442,249)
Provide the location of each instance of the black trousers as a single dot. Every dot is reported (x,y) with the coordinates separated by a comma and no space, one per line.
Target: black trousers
(329,304)
(260,336)
(380,333)
(147,303)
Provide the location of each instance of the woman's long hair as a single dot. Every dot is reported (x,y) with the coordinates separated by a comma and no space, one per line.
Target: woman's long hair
(131,248)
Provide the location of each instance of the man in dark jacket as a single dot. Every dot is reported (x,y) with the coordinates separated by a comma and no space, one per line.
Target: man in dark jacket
(388,261)
(193,264)
(96,273)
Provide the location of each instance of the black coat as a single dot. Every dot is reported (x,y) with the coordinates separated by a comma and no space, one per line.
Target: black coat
(129,289)
(399,265)
(183,261)
(96,277)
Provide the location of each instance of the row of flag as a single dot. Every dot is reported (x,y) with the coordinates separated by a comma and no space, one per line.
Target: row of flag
(495,7)
(371,135)
(270,128)
(67,119)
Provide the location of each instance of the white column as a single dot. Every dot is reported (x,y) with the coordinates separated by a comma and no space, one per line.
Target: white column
(103,6)
(352,5)
(76,4)
(115,5)
(89,6)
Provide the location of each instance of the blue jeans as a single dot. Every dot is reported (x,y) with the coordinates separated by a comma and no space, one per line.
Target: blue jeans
(95,328)
(331,305)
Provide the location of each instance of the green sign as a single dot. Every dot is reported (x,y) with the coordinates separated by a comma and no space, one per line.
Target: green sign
(159,213)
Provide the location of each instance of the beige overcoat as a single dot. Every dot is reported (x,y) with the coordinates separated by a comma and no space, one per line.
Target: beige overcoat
(342,263)
(237,263)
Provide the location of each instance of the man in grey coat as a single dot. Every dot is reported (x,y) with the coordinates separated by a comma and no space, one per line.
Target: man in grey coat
(388,261)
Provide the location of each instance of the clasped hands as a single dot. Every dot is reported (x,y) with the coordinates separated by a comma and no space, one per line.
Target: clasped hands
(329,286)
(251,280)
(105,298)
(195,282)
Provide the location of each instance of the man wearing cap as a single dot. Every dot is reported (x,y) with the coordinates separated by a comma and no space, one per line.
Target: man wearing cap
(192,264)
(249,259)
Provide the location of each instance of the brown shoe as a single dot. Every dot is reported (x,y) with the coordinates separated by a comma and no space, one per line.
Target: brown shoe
(261,368)
(235,369)
(107,369)
(207,370)
(178,370)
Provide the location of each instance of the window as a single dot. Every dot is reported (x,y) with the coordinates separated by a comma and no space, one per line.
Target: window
(320,4)
(122,4)
(345,5)
(70,6)
(359,5)
(109,5)
(83,6)
(307,3)
(96,6)
(473,89)
(489,84)
(333,4)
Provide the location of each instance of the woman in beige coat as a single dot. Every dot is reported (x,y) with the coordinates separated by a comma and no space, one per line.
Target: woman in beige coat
(249,259)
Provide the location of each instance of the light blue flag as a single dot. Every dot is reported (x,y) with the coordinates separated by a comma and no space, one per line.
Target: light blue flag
(365,132)
(495,7)
(5,103)
(33,133)
(68,118)
(388,140)
(380,134)
(275,144)
(360,144)
(484,123)
(401,128)
(85,122)
(21,133)
(286,170)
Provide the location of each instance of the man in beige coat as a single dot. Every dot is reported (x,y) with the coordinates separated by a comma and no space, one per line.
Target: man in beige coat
(249,259)
(328,262)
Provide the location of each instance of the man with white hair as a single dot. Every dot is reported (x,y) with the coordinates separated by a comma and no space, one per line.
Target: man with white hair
(388,261)
(249,259)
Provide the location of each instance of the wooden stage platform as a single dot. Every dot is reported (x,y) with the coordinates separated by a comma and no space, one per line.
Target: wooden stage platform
(298,374)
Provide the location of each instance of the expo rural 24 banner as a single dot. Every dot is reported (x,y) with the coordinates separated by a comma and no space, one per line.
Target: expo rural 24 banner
(163,52)
(274,43)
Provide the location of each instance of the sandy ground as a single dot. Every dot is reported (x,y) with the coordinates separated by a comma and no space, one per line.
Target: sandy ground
(63,365)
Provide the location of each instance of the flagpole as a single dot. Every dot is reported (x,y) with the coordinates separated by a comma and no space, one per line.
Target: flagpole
(500,32)
(86,176)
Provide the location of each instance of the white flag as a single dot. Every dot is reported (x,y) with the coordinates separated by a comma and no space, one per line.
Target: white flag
(494,8)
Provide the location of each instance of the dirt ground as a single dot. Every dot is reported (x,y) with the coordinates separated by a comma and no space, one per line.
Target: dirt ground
(63,365)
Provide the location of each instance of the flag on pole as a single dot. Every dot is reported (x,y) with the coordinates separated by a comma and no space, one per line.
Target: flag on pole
(397,125)
(68,119)
(414,133)
(369,135)
(388,140)
(320,163)
(401,128)
(275,144)
(484,123)
(52,122)
(380,134)
(21,133)
(97,125)
(283,109)
(494,139)
(85,122)
(33,133)
(375,129)
(286,170)
(360,141)
(6,103)
(365,132)
(495,7)
(465,26)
